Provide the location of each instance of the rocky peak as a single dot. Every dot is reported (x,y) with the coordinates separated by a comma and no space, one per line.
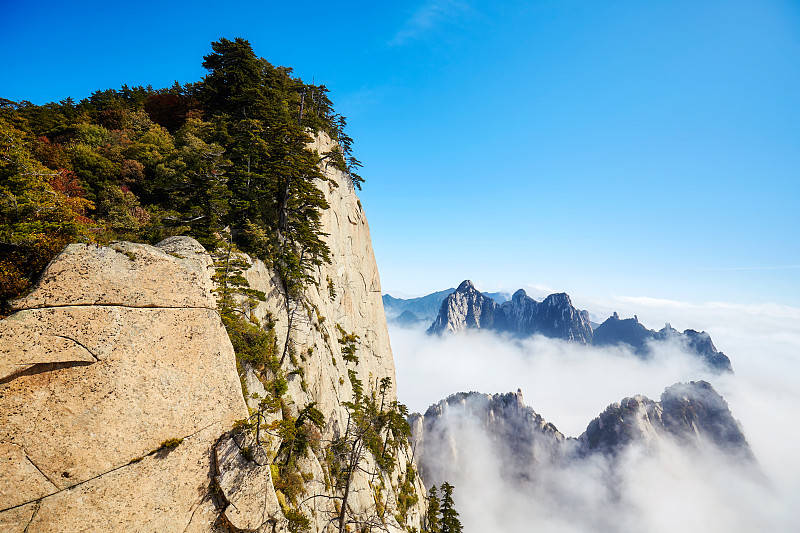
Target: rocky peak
(631,332)
(686,411)
(516,431)
(466,308)
(560,299)
(466,286)
(556,317)
(519,295)
(523,442)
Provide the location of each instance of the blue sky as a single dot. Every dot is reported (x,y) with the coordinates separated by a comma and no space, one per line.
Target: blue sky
(628,148)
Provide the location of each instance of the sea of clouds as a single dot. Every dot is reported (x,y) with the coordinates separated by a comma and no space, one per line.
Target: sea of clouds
(569,384)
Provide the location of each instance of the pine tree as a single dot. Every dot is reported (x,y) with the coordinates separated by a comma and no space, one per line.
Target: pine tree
(450,522)
(432,521)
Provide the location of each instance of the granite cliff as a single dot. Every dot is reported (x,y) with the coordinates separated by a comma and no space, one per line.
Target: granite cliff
(123,406)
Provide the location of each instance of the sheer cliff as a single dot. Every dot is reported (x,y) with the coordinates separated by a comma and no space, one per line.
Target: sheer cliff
(124,406)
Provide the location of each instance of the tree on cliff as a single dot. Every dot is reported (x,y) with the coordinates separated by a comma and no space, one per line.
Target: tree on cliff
(276,203)
(432,520)
(449,521)
(143,164)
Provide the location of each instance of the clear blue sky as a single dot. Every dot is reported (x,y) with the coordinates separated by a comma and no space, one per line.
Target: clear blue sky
(637,148)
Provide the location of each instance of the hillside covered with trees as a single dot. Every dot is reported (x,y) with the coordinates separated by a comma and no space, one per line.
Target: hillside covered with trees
(225,160)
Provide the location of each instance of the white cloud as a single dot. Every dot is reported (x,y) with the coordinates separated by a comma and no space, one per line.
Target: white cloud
(569,384)
(428,18)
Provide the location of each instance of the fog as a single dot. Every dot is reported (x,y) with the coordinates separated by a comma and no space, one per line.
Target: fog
(568,384)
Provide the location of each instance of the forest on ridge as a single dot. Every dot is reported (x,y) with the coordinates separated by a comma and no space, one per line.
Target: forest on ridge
(224,159)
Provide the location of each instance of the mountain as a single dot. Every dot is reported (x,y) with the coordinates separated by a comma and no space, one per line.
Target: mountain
(408,319)
(686,412)
(555,316)
(519,434)
(422,307)
(426,307)
(132,399)
(692,414)
(631,332)
(466,308)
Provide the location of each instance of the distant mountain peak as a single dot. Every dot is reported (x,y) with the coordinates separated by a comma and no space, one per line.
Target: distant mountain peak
(630,331)
(559,298)
(466,285)
(555,317)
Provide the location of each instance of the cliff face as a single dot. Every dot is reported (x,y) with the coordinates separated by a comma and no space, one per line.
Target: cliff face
(516,432)
(120,349)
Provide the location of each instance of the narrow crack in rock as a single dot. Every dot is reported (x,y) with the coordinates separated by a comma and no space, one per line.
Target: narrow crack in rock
(79,344)
(39,469)
(196,507)
(35,512)
(116,305)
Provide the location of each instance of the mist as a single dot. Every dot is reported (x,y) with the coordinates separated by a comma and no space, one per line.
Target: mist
(676,489)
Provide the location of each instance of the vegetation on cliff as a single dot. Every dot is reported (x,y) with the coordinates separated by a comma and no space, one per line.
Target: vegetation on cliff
(227,152)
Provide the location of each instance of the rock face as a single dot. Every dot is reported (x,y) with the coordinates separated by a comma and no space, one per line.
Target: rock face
(555,317)
(466,308)
(516,432)
(631,332)
(120,349)
(354,304)
(116,350)
(449,433)
(687,412)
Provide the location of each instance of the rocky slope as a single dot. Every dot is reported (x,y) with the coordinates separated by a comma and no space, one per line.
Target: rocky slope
(119,353)
(448,434)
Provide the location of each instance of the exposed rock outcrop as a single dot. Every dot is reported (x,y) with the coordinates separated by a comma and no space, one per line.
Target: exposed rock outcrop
(115,351)
(348,296)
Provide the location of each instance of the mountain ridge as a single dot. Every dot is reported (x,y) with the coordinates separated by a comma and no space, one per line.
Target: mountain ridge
(555,317)
(691,413)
